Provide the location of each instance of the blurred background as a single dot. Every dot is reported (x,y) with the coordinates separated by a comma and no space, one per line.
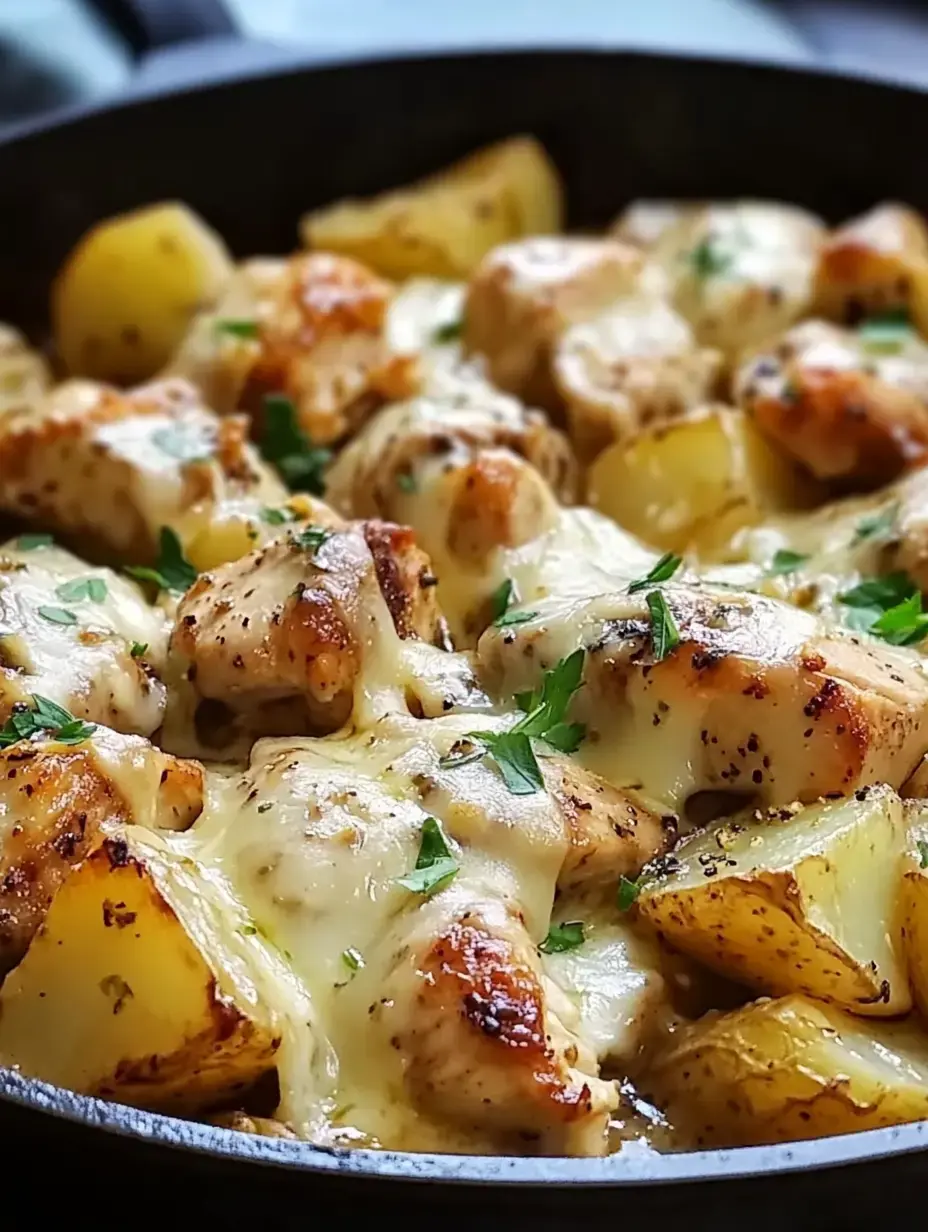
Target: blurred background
(56,52)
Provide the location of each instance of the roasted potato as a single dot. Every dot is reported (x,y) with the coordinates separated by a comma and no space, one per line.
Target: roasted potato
(24,374)
(805,901)
(915,895)
(443,225)
(147,984)
(778,1071)
(126,294)
(694,482)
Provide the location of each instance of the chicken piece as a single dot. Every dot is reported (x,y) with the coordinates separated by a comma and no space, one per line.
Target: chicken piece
(873,264)
(279,641)
(757,698)
(312,328)
(634,365)
(83,637)
(24,374)
(472,472)
(522,296)
(438,997)
(57,799)
(119,466)
(739,271)
(835,402)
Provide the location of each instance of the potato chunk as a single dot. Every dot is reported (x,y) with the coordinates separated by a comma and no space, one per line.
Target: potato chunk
(144,985)
(24,374)
(695,482)
(806,904)
(124,297)
(780,1071)
(445,224)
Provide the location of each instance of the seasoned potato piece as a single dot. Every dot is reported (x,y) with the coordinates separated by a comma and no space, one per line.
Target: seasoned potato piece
(632,366)
(836,403)
(24,374)
(311,328)
(695,482)
(873,264)
(68,632)
(523,295)
(780,1071)
(757,697)
(443,225)
(118,467)
(124,297)
(739,271)
(915,890)
(55,801)
(146,984)
(802,902)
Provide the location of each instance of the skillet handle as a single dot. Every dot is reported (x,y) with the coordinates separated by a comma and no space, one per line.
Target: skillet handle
(149,25)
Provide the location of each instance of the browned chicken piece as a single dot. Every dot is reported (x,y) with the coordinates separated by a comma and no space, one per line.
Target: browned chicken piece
(24,374)
(847,406)
(738,271)
(117,467)
(471,472)
(314,330)
(634,365)
(758,698)
(275,643)
(56,800)
(523,295)
(874,264)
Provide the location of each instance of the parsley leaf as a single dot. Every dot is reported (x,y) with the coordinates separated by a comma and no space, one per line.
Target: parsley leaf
(353,959)
(502,598)
(889,607)
(435,865)
(237,329)
(628,893)
(664,632)
(184,444)
(922,853)
(448,332)
(663,571)
(277,517)
(708,259)
(46,716)
(881,593)
(513,753)
(880,526)
(172,570)
(284,445)
(57,615)
(562,938)
(312,539)
(513,618)
(138,649)
(903,624)
(92,588)
(887,332)
(28,543)
(406,482)
(786,561)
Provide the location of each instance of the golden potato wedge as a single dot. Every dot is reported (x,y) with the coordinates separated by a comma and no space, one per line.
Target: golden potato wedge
(694,482)
(805,901)
(127,293)
(442,226)
(146,984)
(915,900)
(24,374)
(780,1071)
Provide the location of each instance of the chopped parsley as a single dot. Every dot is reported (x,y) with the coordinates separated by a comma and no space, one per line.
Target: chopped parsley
(277,517)
(887,332)
(513,618)
(249,930)
(903,624)
(628,893)
(545,710)
(435,865)
(93,588)
(786,561)
(184,444)
(922,853)
(28,543)
(562,938)
(172,571)
(46,717)
(353,959)
(889,607)
(502,600)
(406,482)
(312,538)
(237,329)
(57,615)
(138,649)
(879,526)
(449,331)
(286,446)
(663,571)
(708,259)
(664,632)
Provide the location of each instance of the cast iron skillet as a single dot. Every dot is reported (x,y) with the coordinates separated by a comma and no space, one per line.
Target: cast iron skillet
(251,149)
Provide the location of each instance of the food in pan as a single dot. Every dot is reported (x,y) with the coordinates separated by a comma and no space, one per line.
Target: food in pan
(464,687)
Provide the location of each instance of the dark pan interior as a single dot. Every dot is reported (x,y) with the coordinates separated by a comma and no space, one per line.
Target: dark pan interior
(251,155)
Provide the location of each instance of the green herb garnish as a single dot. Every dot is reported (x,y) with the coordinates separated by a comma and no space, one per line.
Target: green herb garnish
(435,865)
(353,959)
(48,717)
(889,607)
(406,482)
(562,938)
(628,893)
(664,632)
(708,259)
(138,649)
(663,571)
(57,615)
(312,538)
(237,329)
(172,570)
(92,588)
(785,561)
(28,543)
(449,332)
(922,853)
(879,526)
(285,445)
(887,332)
(277,517)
